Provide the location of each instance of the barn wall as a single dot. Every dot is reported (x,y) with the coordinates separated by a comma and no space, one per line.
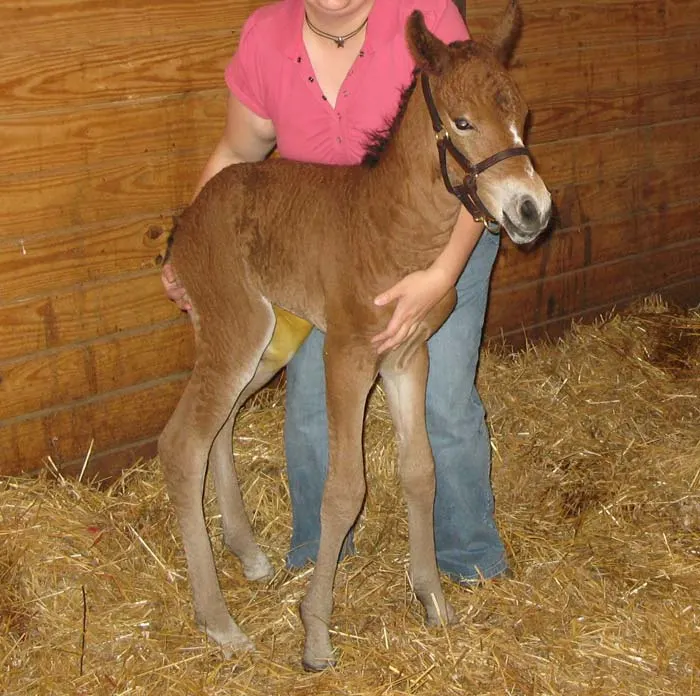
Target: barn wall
(108,111)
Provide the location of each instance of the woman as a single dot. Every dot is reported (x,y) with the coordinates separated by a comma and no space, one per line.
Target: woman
(314,77)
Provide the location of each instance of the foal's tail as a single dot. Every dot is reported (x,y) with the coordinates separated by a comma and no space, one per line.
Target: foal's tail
(171,237)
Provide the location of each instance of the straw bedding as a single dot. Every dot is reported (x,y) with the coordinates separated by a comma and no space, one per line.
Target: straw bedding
(596,470)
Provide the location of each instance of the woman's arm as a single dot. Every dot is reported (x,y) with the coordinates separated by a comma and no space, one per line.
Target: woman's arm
(246,138)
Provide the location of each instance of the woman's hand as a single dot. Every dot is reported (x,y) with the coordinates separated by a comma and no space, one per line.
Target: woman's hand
(173,289)
(416,295)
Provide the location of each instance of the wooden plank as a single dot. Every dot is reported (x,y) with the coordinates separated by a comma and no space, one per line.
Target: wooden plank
(89,137)
(38,142)
(600,241)
(556,23)
(59,378)
(563,24)
(98,310)
(565,116)
(83,314)
(36,25)
(108,422)
(85,21)
(53,378)
(62,199)
(116,190)
(34,144)
(614,68)
(65,80)
(594,286)
(52,262)
(684,294)
(608,155)
(60,79)
(641,191)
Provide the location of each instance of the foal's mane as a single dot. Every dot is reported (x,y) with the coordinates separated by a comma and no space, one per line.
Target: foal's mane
(378,140)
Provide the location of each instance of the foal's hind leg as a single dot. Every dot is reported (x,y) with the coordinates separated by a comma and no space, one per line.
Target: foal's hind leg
(349,376)
(405,385)
(290,332)
(184,447)
(238,535)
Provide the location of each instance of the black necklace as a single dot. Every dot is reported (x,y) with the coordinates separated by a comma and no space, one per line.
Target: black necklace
(339,40)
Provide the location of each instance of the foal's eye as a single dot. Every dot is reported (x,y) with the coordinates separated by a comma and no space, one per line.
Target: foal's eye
(462,124)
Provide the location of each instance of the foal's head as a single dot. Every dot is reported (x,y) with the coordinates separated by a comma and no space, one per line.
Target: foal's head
(483,113)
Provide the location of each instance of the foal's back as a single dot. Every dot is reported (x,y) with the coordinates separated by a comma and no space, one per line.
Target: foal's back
(296,233)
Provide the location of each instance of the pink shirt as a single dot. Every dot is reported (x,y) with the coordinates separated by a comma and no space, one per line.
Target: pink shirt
(271,74)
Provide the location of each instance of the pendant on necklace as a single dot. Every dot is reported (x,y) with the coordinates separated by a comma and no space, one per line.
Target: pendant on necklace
(340,42)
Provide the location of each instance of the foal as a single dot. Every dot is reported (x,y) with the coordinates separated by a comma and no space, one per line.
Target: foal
(268,249)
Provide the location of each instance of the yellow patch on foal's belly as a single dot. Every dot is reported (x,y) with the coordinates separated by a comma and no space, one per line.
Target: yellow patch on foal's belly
(290,332)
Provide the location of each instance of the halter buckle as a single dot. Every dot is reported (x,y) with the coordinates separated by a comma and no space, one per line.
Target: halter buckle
(442,134)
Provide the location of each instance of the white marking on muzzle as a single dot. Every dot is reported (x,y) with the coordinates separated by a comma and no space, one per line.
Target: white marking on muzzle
(518,142)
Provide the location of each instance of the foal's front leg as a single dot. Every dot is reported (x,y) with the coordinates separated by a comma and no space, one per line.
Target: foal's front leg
(350,373)
(405,387)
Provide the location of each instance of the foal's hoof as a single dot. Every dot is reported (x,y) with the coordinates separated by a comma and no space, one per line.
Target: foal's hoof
(232,640)
(238,646)
(258,570)
(436,618)
(311,664)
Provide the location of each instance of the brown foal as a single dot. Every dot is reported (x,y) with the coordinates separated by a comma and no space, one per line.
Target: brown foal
(269,249)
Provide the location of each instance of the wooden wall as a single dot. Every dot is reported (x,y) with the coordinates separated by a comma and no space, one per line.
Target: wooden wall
(108,110)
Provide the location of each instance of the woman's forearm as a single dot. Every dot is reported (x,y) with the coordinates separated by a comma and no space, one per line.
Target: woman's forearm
(454,257)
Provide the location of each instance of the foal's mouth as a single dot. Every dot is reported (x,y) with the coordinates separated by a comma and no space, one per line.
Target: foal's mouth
(519,235)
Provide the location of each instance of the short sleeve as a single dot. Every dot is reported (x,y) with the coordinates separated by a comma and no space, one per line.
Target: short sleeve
(446,22)
(244,72)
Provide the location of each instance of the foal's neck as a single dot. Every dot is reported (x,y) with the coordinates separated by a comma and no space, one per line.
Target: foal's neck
(409,169)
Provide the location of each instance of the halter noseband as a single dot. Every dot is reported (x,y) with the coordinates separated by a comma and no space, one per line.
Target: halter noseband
(465,192)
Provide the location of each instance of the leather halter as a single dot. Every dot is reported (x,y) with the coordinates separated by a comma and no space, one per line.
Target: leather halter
(465,192)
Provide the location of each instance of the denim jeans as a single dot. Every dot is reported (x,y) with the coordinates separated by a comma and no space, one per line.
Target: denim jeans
(467,542)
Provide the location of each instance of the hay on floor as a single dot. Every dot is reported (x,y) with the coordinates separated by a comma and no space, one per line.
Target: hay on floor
(596,469)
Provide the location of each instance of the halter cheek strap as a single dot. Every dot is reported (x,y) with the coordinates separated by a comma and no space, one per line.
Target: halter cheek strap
(466,191)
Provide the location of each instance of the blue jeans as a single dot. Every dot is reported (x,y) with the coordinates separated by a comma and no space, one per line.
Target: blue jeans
(467,542)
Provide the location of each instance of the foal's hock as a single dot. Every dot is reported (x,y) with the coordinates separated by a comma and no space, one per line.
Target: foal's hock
(269,249)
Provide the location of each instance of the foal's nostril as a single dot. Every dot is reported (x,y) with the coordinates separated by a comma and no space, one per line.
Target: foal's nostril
(528,211)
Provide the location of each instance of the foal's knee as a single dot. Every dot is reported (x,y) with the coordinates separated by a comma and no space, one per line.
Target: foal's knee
(343,502)
(183,465)
(418,480)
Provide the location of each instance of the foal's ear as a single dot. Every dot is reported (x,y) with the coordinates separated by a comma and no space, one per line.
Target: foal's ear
(429,53)
(505,35)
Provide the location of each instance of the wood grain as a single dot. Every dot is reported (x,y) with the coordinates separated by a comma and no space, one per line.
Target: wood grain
(62,199)
(109,110)
(106,74)
(598,242)
(108,422)
(57,378)
(569,293)
(83,314)
(548,23)
(683,294)
(37,143)
(52,262)
(35,26)
(591,24)
(115,190)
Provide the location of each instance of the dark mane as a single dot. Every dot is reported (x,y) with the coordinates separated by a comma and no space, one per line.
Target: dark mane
(377,140)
